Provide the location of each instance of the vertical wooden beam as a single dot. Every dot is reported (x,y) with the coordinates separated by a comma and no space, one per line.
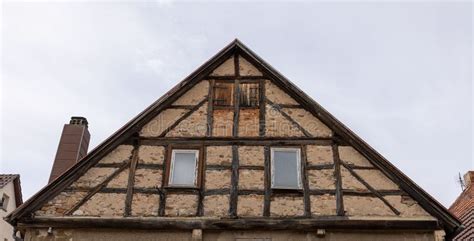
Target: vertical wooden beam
(337,175)
(235,128)
(234,182)
(202,178)
(131,178)
(236,64)
(164,179)
(307,201)
(267,182)
(262,110)
(210,108)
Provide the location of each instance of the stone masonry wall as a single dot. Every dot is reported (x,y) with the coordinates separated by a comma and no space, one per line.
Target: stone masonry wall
(195,95)
(151,154)
(225,69)
(118,155)
(247,69)
(251,156)
(41,234)
(181,205)
(310,123)
(249,122)
(276,95)
(223,122)
(161,122)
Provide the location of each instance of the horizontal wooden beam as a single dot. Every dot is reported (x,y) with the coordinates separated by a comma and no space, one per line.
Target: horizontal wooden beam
(242,141)
(161,223)
(347,192)
(320,167)
(233,77)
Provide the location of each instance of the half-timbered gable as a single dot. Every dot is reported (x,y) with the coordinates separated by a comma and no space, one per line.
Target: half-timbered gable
(235,146)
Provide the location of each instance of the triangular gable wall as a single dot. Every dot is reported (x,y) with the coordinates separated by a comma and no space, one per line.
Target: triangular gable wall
(362,170)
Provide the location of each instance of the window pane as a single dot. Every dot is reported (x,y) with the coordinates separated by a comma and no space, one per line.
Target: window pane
(285,169)
(249,95)
(223,94)
(184,169)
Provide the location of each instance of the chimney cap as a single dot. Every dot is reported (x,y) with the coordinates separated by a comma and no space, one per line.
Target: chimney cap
(78,120)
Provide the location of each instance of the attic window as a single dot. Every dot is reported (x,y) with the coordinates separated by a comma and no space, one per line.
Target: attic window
(4,202)
(183,170)
(223,94)
(249,95)
(286,168)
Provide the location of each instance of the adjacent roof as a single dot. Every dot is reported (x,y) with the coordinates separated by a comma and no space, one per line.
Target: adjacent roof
(463,208)
(15,178)
(450,223)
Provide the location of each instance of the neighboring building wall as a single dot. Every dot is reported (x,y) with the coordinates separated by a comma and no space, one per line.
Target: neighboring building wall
(126,235)
(6,230)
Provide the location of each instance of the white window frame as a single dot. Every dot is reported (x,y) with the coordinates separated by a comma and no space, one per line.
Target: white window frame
(196,167)
(298,167)
(5,200)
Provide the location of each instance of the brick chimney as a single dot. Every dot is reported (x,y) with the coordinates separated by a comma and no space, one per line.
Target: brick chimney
(469,178)
(72,146)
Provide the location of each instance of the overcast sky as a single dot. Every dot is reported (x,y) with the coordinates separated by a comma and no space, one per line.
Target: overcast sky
(398,74)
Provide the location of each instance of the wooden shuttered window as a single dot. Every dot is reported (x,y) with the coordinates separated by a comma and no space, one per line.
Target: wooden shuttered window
(223,94)
(249,94)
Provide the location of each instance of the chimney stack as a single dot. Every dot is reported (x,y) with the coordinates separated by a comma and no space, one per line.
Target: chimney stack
(72,146)
(468,178)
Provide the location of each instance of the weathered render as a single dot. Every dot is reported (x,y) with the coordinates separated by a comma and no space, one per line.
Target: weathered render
(349,192)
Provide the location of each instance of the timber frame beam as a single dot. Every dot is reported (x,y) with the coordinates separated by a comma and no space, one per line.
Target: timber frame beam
(217,224)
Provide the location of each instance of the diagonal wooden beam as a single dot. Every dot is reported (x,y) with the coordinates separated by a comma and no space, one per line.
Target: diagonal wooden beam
(97,188)
(278,108)
(368,186)
(176,123)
